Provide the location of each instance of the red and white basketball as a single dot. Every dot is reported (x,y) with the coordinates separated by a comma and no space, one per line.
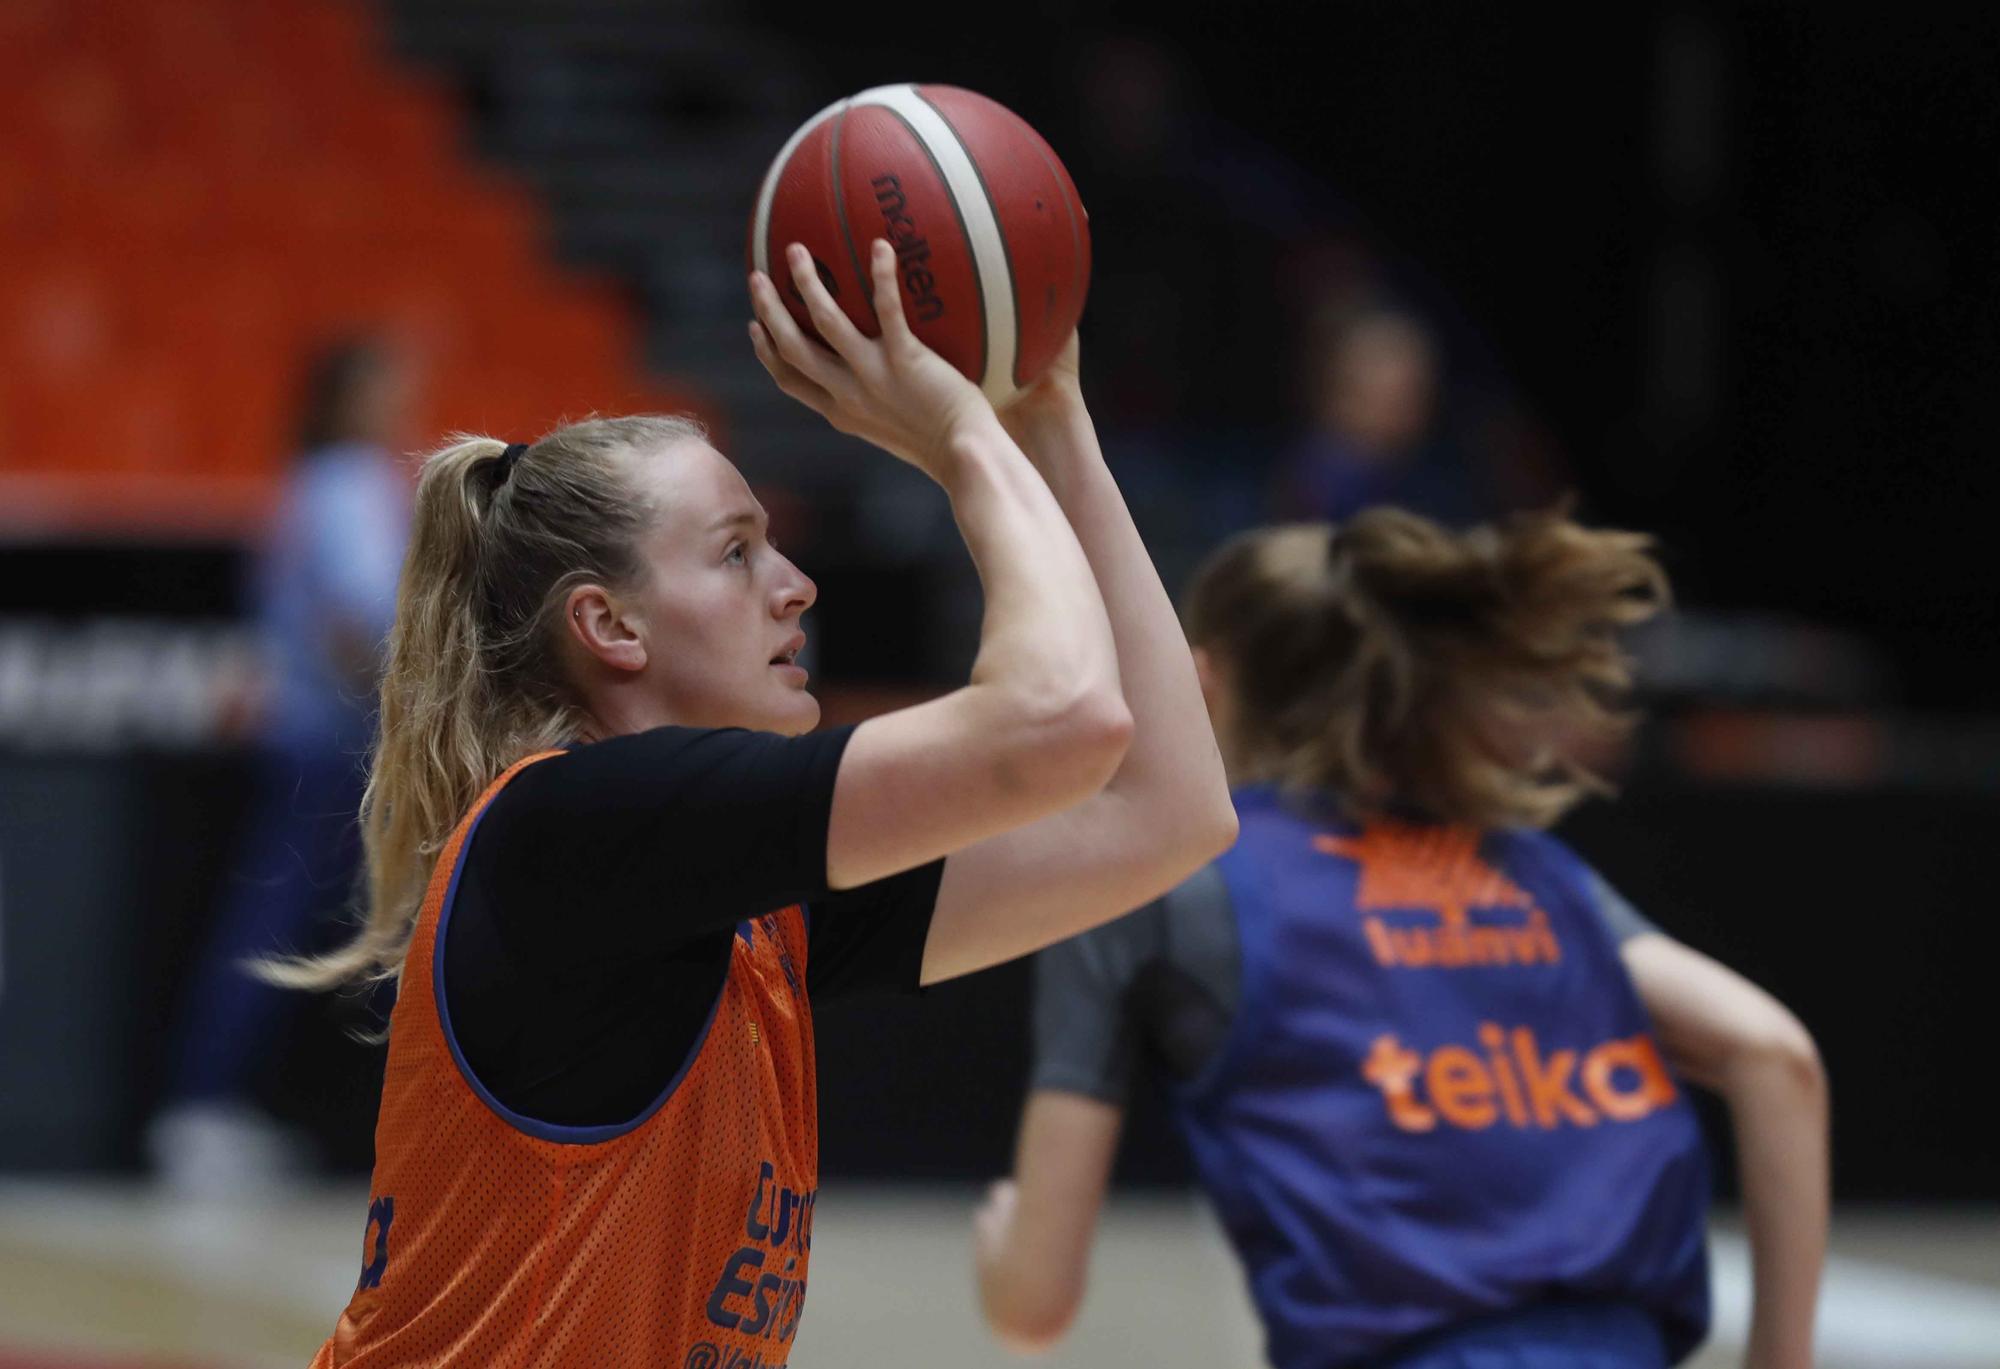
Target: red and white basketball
(992,244)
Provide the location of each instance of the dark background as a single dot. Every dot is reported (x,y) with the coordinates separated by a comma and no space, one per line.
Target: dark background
(1540,173)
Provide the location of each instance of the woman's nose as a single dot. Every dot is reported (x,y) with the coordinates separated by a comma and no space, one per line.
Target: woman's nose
(798,593)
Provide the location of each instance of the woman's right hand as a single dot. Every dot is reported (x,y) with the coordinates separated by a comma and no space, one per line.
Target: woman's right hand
(892,391)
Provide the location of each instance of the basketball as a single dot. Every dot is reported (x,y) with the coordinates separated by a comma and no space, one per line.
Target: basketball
(992,243)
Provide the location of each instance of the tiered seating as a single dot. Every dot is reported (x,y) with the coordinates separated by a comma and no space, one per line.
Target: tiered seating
(193,197)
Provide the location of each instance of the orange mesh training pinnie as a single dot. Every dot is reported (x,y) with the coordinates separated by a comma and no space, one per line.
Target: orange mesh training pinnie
(680,1238)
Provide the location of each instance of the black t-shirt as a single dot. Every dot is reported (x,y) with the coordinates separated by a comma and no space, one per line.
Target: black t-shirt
(590,930)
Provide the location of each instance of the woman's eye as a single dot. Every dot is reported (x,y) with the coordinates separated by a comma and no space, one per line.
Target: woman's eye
(735,555)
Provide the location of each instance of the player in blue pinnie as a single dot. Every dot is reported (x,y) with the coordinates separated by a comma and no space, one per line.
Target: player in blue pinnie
(1429,1066)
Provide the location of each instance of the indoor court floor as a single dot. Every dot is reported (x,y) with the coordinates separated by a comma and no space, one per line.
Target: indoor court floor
(105,1276)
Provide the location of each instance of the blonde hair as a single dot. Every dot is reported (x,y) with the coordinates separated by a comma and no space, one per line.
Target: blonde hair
(473,680)
(1381,660)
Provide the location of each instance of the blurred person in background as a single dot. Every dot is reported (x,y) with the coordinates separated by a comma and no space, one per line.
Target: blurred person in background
(613,866)
(1373,376)
(1179,193)
(1428,1063)
(325,593)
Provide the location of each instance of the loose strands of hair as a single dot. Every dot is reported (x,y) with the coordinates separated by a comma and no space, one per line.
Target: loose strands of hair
(472,680)
(1400,665)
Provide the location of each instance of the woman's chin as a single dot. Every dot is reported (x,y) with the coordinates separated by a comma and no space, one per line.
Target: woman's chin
(799,715)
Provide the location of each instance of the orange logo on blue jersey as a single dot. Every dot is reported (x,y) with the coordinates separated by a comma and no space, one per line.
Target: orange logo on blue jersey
(1510,1079)
(1438,874)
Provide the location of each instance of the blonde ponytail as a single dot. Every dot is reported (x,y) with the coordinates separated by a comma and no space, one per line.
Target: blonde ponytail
(1397,663)
(472,681)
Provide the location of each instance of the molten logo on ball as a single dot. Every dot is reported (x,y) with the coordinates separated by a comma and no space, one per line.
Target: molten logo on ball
(992,245)
(912,252)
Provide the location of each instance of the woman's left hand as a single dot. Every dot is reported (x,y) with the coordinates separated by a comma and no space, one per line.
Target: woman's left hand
(1050,395)
(891,390)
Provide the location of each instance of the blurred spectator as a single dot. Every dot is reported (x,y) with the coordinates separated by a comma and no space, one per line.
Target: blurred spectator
(1193,220)
(325,593)
(1372,381)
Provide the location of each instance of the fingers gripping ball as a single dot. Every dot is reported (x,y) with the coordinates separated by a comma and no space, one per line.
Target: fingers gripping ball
(992,244)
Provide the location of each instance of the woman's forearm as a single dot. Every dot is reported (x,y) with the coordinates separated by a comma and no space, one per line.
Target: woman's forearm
(1778,1109)
(1172,766)
(1033,1237)
(1045,643)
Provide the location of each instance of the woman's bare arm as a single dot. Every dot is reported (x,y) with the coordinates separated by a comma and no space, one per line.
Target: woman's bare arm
(1032,1238)
(1728,1035)
(1166,811)
(1042,724)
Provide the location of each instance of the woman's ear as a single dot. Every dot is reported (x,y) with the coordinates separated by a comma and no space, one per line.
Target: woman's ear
(603,629)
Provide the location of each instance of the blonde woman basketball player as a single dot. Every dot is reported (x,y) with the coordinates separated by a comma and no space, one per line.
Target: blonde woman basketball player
(1428,1064)
(613,865)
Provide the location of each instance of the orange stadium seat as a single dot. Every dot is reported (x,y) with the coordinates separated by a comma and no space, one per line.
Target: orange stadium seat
(337,39)
(60,316)
(28,30)
(195,196)
(24,210)
(131,208)
(75,110)
(393,122)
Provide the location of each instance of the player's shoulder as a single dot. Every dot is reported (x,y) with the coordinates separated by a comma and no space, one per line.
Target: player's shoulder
(1540,845)
(583,769)
(693,777)
(1549,853)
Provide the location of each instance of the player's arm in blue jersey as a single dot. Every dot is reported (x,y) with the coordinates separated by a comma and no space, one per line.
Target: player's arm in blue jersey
(1162,984)
(1100,995)
(1724,1033)
(1032,1236)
